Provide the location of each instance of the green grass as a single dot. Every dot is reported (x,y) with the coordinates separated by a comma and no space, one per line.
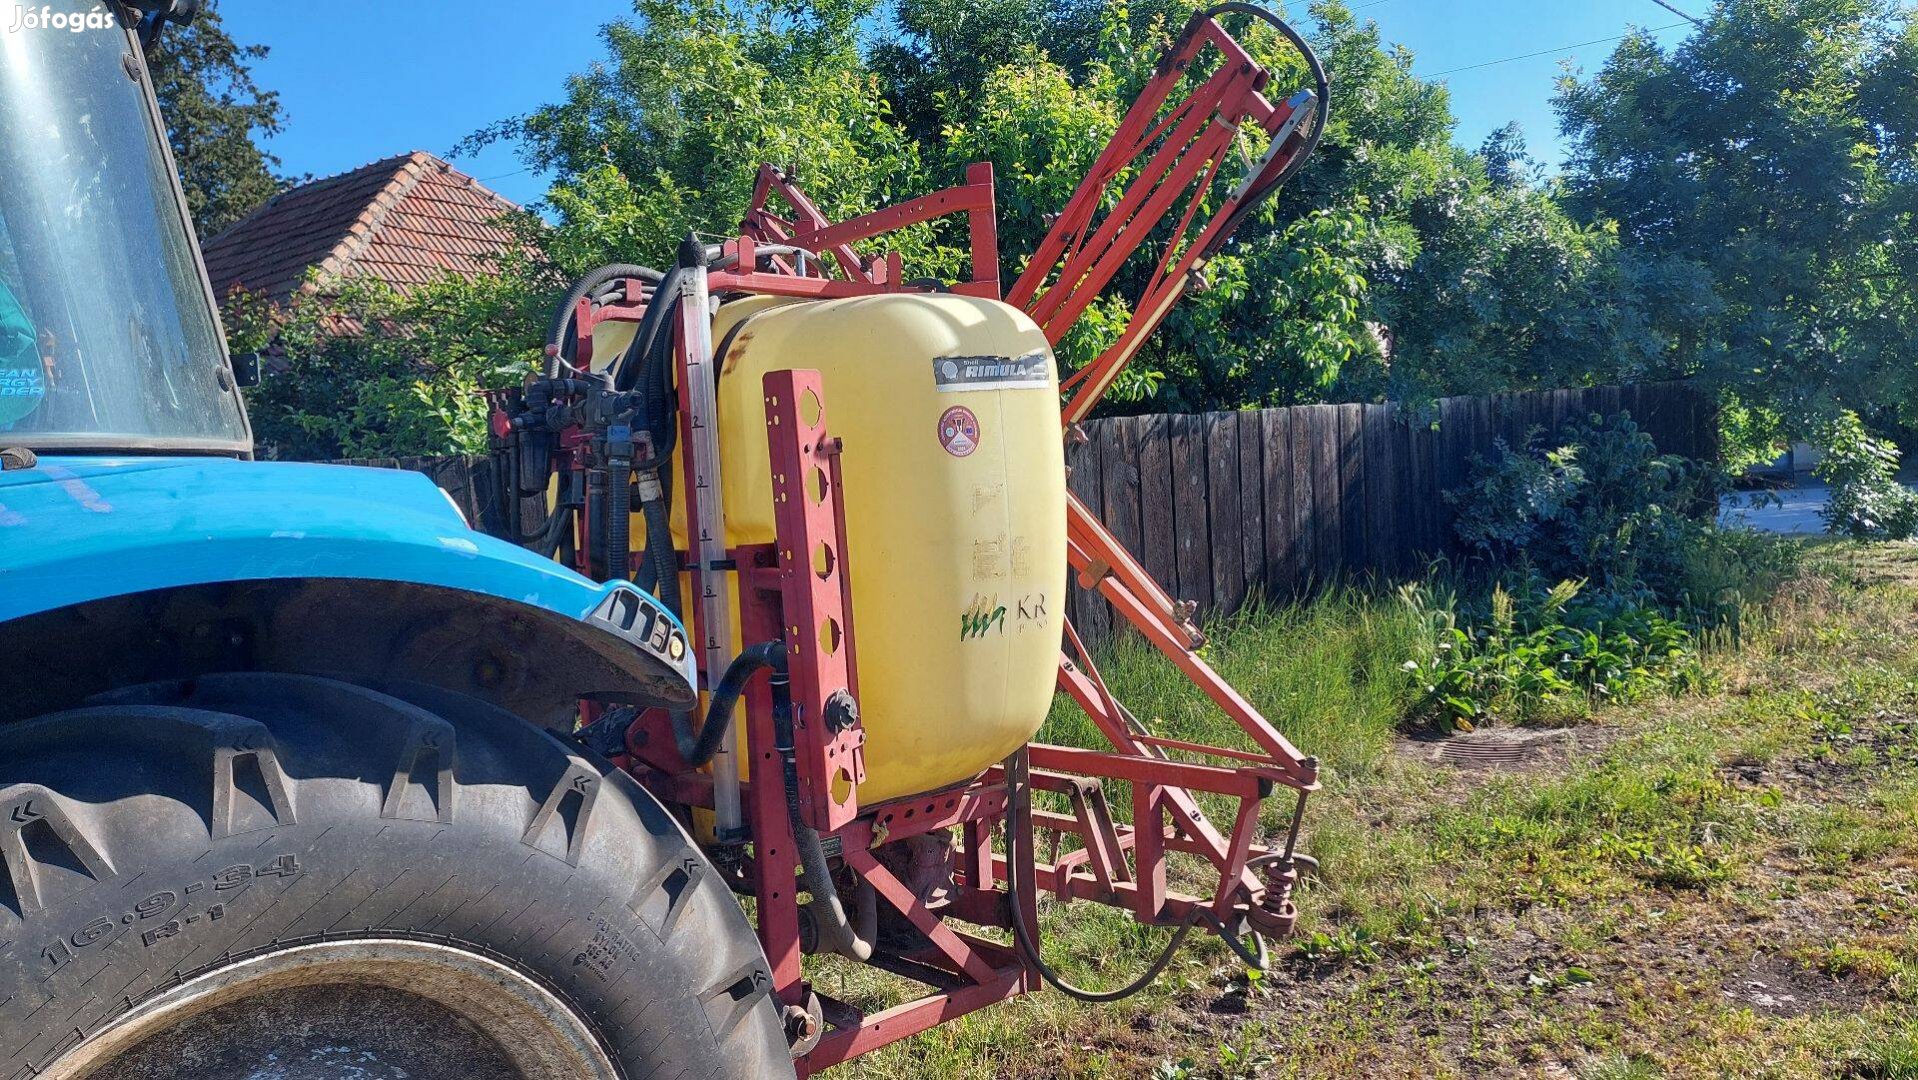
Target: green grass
(1719,885)
(1327,673)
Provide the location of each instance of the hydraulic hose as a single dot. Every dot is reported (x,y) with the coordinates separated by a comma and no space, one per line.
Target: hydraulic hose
(698,750)
(836,933)
(646,339)
(661,556)
(546,541)
(619,518)
(648,365)
(1028,941)
(1322,113)
(815,876)
(661,403)
(558,345)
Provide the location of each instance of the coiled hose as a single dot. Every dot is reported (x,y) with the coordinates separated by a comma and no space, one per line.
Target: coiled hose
(559,345)
(1322,114)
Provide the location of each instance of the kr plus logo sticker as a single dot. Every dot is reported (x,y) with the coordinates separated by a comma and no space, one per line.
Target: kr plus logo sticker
(959,431)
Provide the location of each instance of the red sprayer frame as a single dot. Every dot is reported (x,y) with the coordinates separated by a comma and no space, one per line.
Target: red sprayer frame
(1171,149)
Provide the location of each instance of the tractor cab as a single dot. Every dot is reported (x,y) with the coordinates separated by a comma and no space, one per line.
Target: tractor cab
(109,340)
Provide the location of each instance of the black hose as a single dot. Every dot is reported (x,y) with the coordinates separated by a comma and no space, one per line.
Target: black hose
(596,503)
(1321,86)
(1027,938)
(815,876)
(545,542)
(646,339)
(699,749)
(661,404)
(559,346)
(1029,947)
(648,365)
(661,556)
(619,518)
(557,529)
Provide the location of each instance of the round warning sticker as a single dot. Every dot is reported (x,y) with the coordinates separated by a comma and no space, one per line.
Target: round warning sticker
(959,431)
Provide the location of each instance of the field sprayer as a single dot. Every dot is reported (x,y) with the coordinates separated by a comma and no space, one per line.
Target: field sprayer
(295,768)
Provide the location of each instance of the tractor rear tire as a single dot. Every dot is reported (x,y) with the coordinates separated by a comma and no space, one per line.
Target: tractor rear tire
(288,876)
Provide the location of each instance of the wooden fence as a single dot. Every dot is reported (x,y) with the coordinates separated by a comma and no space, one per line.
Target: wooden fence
(1279,502)
(1222,506)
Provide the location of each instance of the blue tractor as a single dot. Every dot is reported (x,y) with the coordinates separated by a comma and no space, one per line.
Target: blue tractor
(287,784)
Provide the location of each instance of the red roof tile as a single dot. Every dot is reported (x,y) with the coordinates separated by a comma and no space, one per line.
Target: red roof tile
(402,220)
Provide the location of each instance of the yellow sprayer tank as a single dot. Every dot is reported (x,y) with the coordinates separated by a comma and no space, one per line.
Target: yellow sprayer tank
(954,487)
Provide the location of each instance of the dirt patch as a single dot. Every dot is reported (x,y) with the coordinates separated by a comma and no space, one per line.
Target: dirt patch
(1773,984)
(1522,750)
(1843,758)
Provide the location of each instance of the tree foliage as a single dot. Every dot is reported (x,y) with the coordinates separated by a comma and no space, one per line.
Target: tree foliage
(358,369)
(1764,174)
(1739,207)
(1394,233)
(1397,264)
(216,115)
(665,135)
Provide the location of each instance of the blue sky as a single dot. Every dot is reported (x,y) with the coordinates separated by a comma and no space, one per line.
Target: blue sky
(365,79)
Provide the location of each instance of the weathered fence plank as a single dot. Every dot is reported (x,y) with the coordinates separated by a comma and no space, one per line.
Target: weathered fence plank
(1224,511)
(1353,513)
(1089,613)
(1381,489)
(1119,477)
(1158,549)
(1193,540)
(1251,499)
(1281,522)
(1420,513)
(1305,547)
(1328,533)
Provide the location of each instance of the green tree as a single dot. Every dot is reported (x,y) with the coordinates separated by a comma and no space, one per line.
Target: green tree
(216,115)
(361,369)
(1398,264)
(665,134)
(1769,163)
(1463,263)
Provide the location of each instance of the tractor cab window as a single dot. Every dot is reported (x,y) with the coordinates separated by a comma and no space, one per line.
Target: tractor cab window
(108,340)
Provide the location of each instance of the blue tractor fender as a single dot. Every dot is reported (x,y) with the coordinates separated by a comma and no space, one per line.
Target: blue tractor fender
(134,568)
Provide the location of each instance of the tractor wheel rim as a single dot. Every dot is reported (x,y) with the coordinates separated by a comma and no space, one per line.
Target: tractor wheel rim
(237,1012)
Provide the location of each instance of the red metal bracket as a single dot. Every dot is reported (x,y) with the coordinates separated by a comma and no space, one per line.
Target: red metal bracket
(1187,143)
(816,600)
(811,231)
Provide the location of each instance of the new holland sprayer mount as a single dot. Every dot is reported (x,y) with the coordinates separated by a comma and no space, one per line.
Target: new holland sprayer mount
(850,483)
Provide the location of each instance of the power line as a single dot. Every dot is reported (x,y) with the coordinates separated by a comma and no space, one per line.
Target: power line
(1549,52)
(1688,18)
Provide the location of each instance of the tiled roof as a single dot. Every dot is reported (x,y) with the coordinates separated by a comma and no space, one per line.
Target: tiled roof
(402,220)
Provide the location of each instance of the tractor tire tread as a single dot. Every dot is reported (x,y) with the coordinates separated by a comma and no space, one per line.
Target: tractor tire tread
(162,832)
